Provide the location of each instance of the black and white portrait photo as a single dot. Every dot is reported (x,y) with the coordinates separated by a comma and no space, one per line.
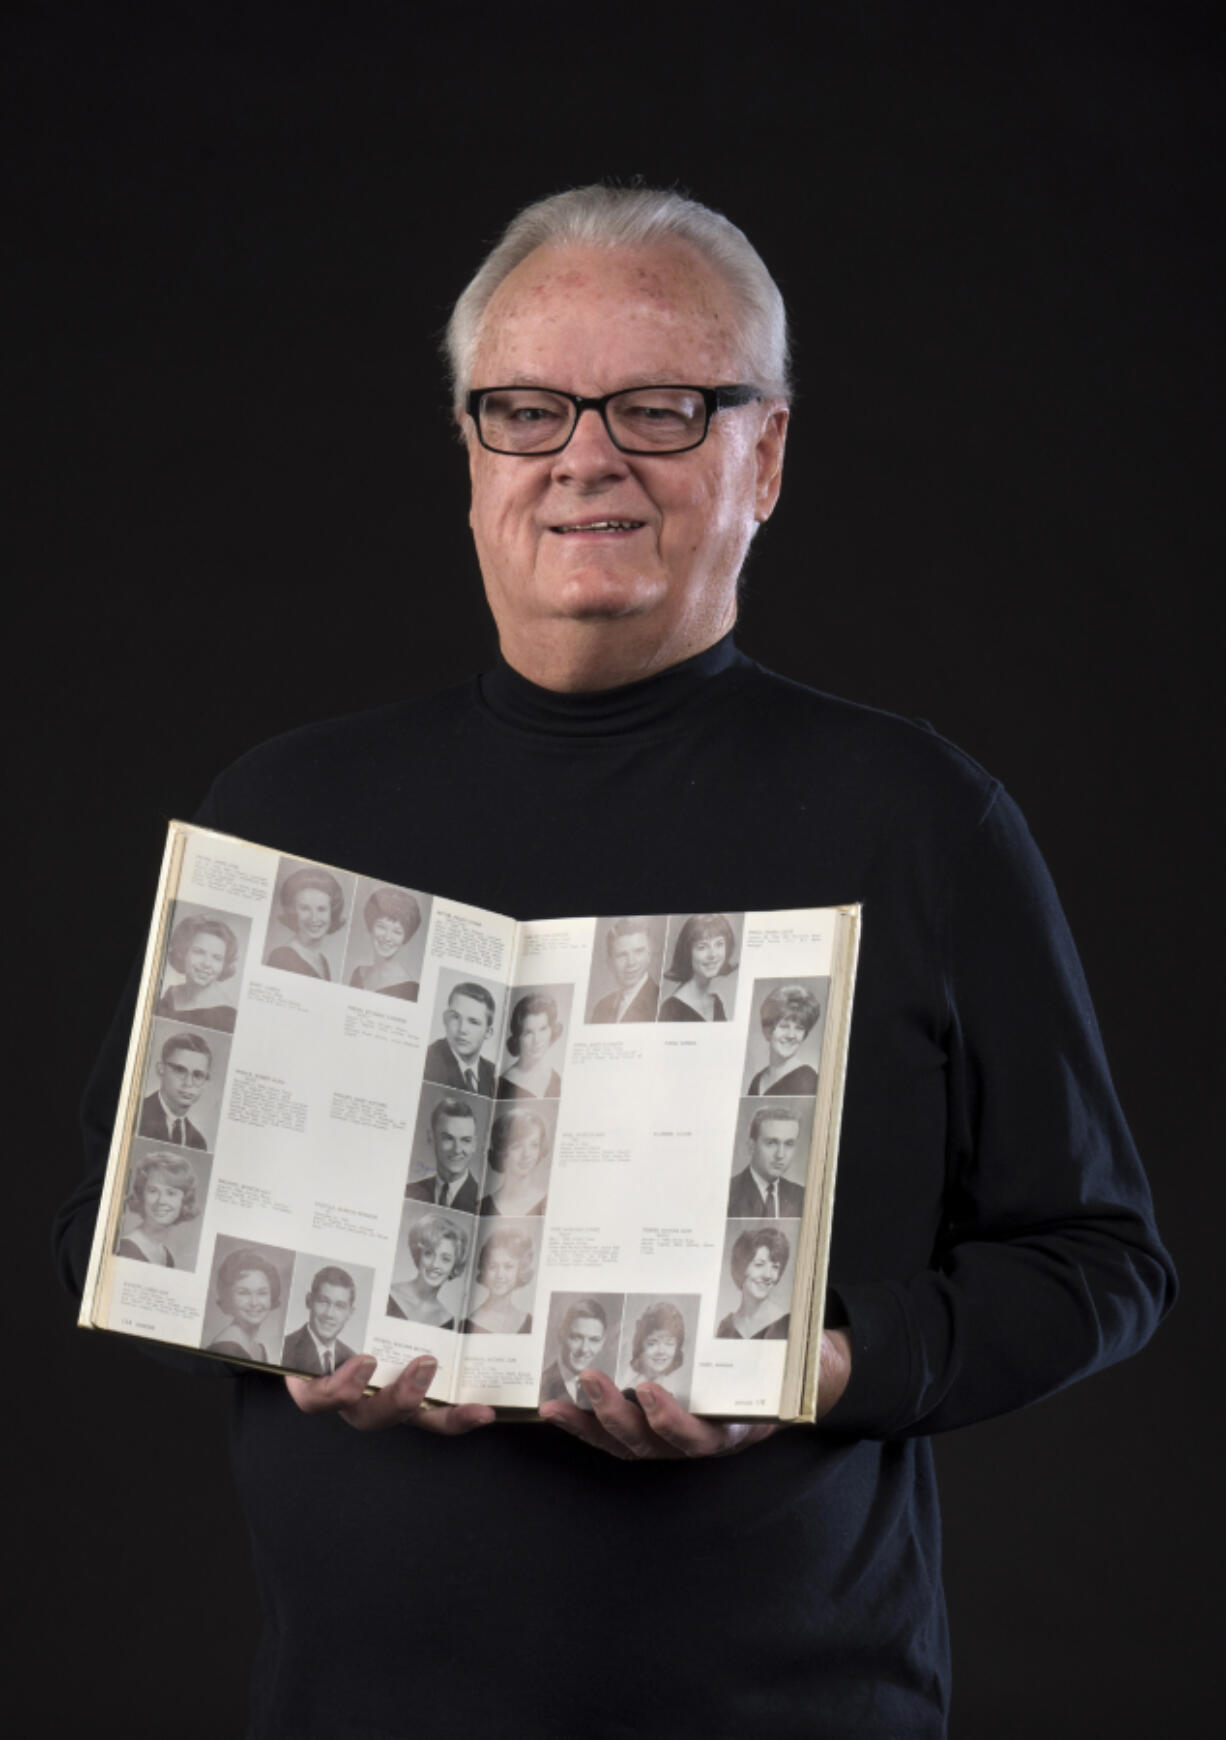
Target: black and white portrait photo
(327,1311)
(432,1254)
(582,1334)
(770,1158)
(517,1164)
(387,940)
(755,1293)
(205,952)
(184,1077)
(785,1036)
(448,1144)
(461,1055)
(164,1197)
(702,955)
(535,1042)
(244,1316)
(311,909)
(657,1342)
(627,959)
(507,1260)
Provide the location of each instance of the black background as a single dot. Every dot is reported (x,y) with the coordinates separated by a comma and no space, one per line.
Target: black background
(236,234)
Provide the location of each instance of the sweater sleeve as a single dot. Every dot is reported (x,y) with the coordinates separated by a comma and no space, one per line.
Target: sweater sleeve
(1048,1265)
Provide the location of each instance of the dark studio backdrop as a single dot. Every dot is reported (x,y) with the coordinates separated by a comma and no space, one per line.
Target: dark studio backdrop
(235,234)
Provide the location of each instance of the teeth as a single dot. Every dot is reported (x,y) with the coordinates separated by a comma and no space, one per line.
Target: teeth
(602,526)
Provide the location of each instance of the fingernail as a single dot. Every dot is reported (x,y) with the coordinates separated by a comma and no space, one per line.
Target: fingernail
(648,1398)
(422,1371)
(592,1388)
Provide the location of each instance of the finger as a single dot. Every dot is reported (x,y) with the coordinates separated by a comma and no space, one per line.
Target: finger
(396,1402)
(453,1421)
(686,1435)
(623,1419)
(579,1423)
(328,1395)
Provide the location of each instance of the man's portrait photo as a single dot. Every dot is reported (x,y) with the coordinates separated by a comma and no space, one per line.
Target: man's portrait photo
(184,1078)
(785,1036)
(581,1335)
(463,1054)
(771,1159)
(334,1327)
(205,953)
(624,983)
(164,1197)
(449,1139)
(311,911)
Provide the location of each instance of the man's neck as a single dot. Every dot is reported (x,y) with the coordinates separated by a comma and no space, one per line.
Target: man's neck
(601,653)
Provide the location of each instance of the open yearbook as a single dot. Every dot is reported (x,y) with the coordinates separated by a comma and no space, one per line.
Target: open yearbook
(358,1117)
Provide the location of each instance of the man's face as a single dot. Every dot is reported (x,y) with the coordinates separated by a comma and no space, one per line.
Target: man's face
(182,1075)
(630,957)
(771,1150)
(582,1343)
(453,1141)
(467,1023)
(593,321)
(331,1307)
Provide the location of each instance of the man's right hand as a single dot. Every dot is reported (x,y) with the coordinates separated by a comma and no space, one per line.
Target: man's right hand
(397,1404)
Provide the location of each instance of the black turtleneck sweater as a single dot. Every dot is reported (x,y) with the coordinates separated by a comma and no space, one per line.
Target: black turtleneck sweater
(993,1237)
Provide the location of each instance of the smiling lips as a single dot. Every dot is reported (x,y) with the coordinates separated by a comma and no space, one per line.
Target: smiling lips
(598,526)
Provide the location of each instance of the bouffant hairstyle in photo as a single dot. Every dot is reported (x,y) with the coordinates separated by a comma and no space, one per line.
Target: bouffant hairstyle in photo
(512,1127)
(312,877)
(793,1001)
(393,903)
(697,929)
(177,1172)
(247,1262)
(661,1319)
(509,1238)
(753,1240)
(535,1003)
(185,934)
(432,1230)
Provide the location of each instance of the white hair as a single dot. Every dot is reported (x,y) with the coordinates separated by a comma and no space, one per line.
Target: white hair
(613,217)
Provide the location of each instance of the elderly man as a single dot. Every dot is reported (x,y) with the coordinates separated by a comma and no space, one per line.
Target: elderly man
(620,374)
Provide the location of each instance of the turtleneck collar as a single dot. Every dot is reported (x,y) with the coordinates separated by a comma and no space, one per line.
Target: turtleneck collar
(647,707)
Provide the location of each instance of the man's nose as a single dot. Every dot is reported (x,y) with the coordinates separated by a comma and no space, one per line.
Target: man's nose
(590,453)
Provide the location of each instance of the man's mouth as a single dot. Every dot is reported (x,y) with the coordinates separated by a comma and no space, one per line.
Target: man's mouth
(599,526)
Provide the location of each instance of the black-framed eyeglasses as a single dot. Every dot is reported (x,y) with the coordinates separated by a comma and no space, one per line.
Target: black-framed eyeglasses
(535,421)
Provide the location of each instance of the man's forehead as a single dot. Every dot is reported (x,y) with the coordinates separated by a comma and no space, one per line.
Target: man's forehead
(776,1128)
(587,1326)
(649,312)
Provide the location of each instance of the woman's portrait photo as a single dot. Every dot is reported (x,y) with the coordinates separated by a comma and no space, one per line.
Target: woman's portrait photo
(521,1146)
(535,1043)
(658,1342)
(204,964)
(165,1195)
(506,1268)
(311,908)
(245,1315)
(784,1059)
(757,1267)
(428,1284)
(387,946)
(703,955)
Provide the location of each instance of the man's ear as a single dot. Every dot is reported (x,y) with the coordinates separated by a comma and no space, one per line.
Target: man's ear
(771,442)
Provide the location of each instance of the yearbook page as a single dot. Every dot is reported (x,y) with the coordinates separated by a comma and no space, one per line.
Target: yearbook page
(359,1117)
